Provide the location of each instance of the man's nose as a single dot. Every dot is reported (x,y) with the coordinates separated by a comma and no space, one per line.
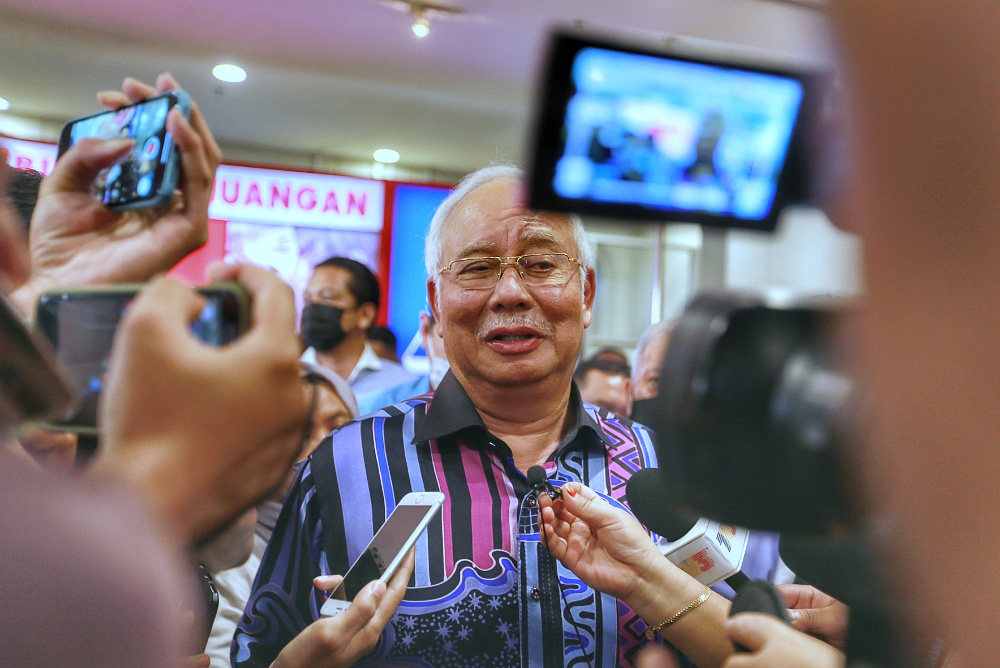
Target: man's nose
(511,290)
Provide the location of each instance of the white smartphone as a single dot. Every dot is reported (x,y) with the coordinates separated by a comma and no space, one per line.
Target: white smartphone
(387,548)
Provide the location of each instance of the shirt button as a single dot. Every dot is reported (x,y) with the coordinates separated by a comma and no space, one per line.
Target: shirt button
(536,595)
(530,502)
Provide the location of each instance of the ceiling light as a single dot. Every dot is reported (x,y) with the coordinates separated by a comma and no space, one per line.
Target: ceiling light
(230,73)
(386,155)
(422,26)
(4,104)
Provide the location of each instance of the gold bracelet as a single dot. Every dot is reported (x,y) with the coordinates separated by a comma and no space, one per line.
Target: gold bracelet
(650,630)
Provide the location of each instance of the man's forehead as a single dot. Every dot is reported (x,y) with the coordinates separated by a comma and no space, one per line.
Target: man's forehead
(493,219)
(335,277)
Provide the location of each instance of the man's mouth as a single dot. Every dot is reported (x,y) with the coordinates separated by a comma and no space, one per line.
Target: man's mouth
(513,340)
(512,337)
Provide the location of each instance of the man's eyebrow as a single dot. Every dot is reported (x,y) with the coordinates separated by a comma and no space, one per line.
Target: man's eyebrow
(538,235)
(531,235)
(478,249)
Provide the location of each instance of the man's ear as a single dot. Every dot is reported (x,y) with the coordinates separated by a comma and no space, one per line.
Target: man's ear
(432,299)
(367,313)
(589,290)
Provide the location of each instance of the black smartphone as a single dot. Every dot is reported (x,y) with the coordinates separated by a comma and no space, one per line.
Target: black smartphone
(80,325)
(32,387)
(148,176)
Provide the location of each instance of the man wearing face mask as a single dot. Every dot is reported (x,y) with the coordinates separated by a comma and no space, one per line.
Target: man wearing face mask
(437,367)
(342,300)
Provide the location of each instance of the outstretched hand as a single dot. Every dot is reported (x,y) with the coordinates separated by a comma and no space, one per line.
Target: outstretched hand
(772,642)
(335,642)
(816,613)
(606,547)
(76,240)
(609,550)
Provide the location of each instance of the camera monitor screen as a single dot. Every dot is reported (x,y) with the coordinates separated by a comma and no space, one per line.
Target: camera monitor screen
(635,134)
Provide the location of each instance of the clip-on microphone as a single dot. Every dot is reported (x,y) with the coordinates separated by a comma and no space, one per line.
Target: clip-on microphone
(540,482)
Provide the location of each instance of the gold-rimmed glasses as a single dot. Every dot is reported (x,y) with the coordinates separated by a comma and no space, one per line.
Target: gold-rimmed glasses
(483,273)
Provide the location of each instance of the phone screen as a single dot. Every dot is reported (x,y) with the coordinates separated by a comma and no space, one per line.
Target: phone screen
(383,549)
(148,175)
(81,327)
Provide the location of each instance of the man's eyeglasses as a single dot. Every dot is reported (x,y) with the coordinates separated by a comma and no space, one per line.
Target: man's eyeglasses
(483,273)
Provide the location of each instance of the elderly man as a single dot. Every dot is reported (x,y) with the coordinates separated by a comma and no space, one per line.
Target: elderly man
(511,291)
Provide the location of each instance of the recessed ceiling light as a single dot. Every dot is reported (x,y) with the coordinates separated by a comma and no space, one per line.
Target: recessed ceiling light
(422,26)
(386,155)
(4,104)
(229,72)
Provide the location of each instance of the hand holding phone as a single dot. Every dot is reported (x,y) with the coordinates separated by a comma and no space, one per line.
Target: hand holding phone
(342,640)
(76,240)
(203,432)
(81,323)
(147,175)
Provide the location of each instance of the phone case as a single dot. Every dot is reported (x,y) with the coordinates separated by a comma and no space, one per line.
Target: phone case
(162,194)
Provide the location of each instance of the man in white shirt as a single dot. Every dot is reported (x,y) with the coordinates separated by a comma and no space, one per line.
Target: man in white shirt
(342,300)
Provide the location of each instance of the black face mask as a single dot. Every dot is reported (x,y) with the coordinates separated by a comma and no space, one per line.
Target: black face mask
(321,327)
(643,410)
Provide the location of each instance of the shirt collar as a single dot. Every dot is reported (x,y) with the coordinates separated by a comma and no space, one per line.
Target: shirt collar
(451,411)
(368,361)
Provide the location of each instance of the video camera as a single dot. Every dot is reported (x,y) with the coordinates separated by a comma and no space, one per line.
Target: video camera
(758,415)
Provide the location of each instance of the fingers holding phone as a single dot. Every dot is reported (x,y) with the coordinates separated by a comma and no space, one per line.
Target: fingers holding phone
(333,642)
(203,432)
(153,141)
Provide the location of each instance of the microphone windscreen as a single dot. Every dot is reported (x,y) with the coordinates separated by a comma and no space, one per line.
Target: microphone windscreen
(760,596)
(647,498)
(536,476)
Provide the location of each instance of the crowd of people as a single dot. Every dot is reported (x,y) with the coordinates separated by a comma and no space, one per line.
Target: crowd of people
(274,467)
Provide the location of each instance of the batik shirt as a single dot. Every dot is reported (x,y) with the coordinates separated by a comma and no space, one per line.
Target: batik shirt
(485,591)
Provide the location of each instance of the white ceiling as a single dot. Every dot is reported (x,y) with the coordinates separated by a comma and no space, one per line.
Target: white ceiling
(344,77)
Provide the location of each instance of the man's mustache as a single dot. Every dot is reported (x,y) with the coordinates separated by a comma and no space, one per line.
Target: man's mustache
(510,321)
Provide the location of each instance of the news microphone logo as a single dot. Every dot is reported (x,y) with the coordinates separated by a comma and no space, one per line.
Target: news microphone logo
(709,551)
(726,536)
(697,563)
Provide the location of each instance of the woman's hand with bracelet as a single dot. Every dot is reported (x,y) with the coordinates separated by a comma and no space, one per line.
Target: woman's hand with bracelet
(607,548)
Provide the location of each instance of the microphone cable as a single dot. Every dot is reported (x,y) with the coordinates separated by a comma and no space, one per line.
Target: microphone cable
(540,485)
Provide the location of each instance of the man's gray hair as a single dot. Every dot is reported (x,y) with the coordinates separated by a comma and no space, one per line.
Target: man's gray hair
(433,247)
(655,333)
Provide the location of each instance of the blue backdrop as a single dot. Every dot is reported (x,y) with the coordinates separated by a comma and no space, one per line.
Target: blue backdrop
(413,207)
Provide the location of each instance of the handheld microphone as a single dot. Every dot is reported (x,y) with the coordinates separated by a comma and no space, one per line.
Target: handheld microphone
(706,550)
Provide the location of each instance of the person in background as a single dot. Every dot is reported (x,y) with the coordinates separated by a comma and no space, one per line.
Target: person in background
(22,193)
(649,356)
(605,383)
(611,353)
(342,300)
(437,367)
(335,405)
(383,342)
